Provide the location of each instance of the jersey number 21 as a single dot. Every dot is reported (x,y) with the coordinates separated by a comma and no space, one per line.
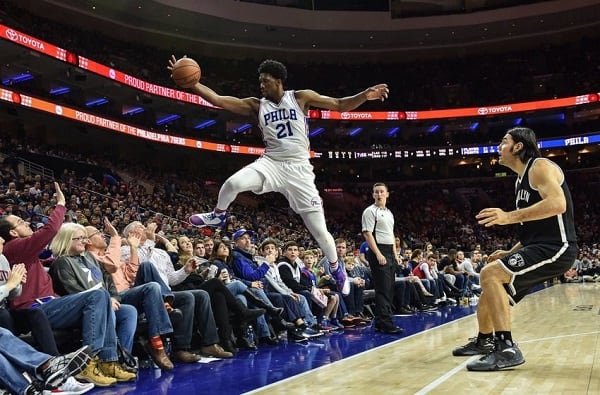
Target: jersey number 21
(284,130)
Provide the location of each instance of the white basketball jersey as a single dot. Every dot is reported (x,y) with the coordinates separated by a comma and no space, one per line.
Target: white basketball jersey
(284,128)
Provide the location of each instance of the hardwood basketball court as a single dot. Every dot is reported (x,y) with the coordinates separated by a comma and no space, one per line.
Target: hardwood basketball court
(557,329)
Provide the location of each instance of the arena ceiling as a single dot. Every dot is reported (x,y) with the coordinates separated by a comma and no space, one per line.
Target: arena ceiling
(241,29)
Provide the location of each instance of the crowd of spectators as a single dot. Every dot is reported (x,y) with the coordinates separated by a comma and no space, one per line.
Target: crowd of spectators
(441,212)
(538,74)
(102,187)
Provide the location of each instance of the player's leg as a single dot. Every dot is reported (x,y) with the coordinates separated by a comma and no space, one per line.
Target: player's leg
(245,179)
(506,353)
(493,311)
(315,223)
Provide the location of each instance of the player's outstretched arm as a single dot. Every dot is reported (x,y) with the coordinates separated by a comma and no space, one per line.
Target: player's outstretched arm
(546,177)
(247,106)
(311,98)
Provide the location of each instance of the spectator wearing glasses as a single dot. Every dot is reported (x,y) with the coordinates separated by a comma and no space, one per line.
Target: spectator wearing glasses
(78,271)
(24,246)
(147,298)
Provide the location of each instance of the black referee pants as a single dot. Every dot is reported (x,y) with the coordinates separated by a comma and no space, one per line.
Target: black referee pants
(383,283)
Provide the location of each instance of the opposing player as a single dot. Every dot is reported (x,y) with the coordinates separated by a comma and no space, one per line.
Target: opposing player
(284,167)
(547,248)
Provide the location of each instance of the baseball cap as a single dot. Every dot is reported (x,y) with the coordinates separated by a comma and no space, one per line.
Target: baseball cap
(240,232)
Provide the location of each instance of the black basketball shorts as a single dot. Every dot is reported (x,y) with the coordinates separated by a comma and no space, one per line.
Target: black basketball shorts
(534,264)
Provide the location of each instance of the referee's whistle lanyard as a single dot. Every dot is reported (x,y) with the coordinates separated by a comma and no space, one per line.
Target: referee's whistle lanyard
(374,233)
(385,246)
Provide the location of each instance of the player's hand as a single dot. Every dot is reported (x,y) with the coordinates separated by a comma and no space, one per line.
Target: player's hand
(492,216)
(378,92)
(498,254)
(172,62)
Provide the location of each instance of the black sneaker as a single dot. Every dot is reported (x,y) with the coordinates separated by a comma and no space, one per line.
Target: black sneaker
(501,358)
(295,336)
(62,367)
(475,346)
(388,327)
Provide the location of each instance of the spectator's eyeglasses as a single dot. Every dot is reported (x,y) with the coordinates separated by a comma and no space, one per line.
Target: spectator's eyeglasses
(96,233)
(81,238)
(19,223)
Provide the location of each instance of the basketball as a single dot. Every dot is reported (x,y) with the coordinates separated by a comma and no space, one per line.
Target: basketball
(186,72)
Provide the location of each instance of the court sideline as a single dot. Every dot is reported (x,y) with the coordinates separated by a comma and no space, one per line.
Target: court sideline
(557,328)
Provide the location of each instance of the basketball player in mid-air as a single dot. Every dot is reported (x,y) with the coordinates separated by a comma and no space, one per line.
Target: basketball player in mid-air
(546,249)
(284,167)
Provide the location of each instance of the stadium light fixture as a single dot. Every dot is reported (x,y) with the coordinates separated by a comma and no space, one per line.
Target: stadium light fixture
(96,102)
(60,90)
(393,131)
(17,79)
(205,124)
(167,119)
(316,132)
(355,132)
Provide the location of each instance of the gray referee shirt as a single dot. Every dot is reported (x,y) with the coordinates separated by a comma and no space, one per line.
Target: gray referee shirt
(383,231)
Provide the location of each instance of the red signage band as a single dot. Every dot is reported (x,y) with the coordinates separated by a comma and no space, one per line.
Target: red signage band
(115,126)
(63,55)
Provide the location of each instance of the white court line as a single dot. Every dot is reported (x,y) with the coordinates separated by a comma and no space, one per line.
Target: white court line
(353,356)
(558,337)
(446,376)
(462,366)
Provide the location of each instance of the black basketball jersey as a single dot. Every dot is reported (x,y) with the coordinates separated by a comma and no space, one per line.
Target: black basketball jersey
(557,229)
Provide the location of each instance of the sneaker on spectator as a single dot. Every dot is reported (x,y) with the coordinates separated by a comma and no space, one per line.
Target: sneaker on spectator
(404,311)
(323,327)
(310,333)
(505,355)
(337,325)
(70,387)
(428,308)
(475,346)
(388,328)
(34,388)
(58,369)
(208,219)
(295,335)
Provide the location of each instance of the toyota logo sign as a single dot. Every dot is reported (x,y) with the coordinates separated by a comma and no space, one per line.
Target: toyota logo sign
(12,35)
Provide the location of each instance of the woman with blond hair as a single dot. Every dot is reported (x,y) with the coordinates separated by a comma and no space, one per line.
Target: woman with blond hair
(75,270)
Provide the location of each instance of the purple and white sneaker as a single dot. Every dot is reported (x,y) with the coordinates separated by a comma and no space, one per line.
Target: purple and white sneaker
(208,219)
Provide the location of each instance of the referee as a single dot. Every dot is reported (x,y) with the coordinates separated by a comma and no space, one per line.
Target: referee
(378,230)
